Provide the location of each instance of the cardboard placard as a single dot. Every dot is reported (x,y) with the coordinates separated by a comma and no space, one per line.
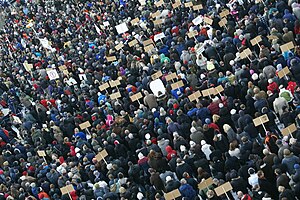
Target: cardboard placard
(188,4)
(62,68)
(158,22)
(111,58)
(132,43)
(192,33)
(255,40)
(177,85)
(101,155)
(27,66)
(176,5)
(136,97)
(103,86)
(147,42)
(119,46)
(122,28)
(208,20)
(224,13)
(245,54)
(159,36)
(67,189)
(260,120)
(223,22)
(115,95)
(197,7)
(282,73)
(208,92)
(219,89)
(156,75)
(149,48)
(172,195)
(52,74)
(287,47)
(135,21)
(289,130)
(85,125)
(222,189)
(272,37)
(41,153)
(159,3)
(194,96)
(171,76)
(156,14)
(206,183)
(114,83)
(198,20)
(142,2)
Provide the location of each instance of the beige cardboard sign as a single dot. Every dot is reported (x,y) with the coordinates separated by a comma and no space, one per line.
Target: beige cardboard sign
(287,47)
(158,22)
(285,71)
(223,22)
(135,21)
(132,43)
(245,54)
(136,97)
(67,189)
(176,5)
(85,125)
(172,195)
(260,120)
(208,92)
(115,95)
(148,48)
(219,89)
(111,58)
(289,130)
(171,76)
(194,96)
(114,83)
(224,13)
(192,33)
(159,3)
(206,183)
(156,14)
(176,85)
(156,75)
(255,40)
(222,189)
(188,4)
(41,153)
(208,20)
(197,7)
(272,37)
(101,155)
(103,86)
(119,46)
(147,42)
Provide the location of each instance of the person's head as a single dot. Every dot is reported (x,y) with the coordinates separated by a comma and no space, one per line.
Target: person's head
(260,174)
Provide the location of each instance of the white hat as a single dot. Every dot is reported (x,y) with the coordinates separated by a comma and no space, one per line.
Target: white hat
(109,166)
(193,130)
(203,142)
(147,136)
(141,156)
(254,76)
(192,143)
(233,111)
(139,195)
(130,136)
(221,105)
(231,62)
(270,81)
(168,178)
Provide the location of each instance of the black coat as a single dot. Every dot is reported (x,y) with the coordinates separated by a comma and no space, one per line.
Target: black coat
(268,187)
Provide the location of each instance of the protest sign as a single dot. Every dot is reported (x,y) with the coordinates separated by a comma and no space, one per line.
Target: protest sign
(195,96)
(286,47)
(208,20)
(115,95)
(256,40)
(147,42)
(148,48)
(101,156)
(261,121)
(156,75)
(119,46)
(121,28)
(42,153)
(52,74)
(104,86)
(171,76)
(172,195)
(159,36)
(192,33)
(205,184)
(197,7)
(198,20)
(136,97)
(177,85)
(157,87)
(135,21)
(27,66)
(289,130)
(224,13)
(159,3)
(282,73)
(85,125)
(223,189)
(132,43)
(111,58)
(188,4)
(67,190)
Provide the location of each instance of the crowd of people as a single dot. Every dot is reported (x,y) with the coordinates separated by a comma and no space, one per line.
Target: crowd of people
(165,140)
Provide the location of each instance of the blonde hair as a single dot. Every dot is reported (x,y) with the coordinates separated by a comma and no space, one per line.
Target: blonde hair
(215,118)
(226,128)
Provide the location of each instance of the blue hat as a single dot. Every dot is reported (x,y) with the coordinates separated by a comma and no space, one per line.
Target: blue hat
(207,121)
(296,166)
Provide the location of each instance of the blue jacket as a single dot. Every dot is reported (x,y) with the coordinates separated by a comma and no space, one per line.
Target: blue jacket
(187,191)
